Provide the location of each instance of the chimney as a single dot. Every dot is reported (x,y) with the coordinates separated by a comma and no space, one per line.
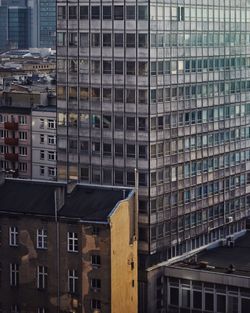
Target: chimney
(59,197)
(71,186)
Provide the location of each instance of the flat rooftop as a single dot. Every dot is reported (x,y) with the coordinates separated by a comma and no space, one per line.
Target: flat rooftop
(222,257)
(38,198)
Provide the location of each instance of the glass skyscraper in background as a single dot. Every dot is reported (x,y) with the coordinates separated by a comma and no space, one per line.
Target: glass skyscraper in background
(164,87)
(47,23)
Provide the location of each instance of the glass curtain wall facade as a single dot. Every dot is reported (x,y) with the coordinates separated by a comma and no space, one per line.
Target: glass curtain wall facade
(3,27)
(164,87)
(47,23)
(19,27)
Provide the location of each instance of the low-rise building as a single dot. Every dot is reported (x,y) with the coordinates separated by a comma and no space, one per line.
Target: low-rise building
(216,279)
(67,248)
(44,143)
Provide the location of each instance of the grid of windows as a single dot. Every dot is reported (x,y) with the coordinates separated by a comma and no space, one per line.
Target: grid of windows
(178,112)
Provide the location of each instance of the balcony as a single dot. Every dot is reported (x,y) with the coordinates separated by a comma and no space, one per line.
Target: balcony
(11,126)
(11,141)
(13,157)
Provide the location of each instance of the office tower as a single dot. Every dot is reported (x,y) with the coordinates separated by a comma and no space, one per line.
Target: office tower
(3,26)
(15,25)
(19,27)
(163,87)
(46,23)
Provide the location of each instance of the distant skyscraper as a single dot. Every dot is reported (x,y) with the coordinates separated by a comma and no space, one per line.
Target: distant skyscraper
(163,87)
(46,23)
(3,27)
(19,27)
(15,25)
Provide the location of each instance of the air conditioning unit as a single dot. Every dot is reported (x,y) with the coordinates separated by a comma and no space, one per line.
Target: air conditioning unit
(229,219)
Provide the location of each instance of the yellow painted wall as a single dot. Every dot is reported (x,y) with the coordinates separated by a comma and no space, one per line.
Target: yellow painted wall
(124,295)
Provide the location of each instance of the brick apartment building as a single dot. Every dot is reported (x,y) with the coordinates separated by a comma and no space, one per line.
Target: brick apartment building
(67,249)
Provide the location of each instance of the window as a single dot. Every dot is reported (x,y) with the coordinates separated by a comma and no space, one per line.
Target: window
(42,154)
(143,40)
(130,123)
(23,151)
(118,40)
(96,283)
(72,242)
(22,119)
(85,173)
(13,236)
(51,124)
(61,39)
(42,170)
(95,12)
(107,149)
(23,135)
(22,167)
(119,150)
(42,138)
(84,12)
(51,171)
(107,12)
(51,140)
(106,67)
(72,39)
(51,155)
(95,40)
(84,40)
(72,12)
(96,260)
(72,281)
(41,239)
(118,12)
(119,67)
(14,274)
(142,12)
(131,151)
(61,12)
(95,304)
(130,39)
(130,12)
(106,40)
(42,277)
(14,308)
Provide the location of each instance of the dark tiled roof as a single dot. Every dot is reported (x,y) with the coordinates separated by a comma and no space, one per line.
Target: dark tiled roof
(17,110)
(91,203)
(26,197)
(84,202)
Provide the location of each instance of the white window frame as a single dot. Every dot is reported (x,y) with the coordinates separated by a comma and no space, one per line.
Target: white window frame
(51,171)
(41,238)
(13,236)
(51,124)
(72,242)
(42,276)
(51,140)
(72,280)
(14,274)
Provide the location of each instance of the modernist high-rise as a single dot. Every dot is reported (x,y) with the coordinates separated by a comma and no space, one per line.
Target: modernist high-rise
(164,87)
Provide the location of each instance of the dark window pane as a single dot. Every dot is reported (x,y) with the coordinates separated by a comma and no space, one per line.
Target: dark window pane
(84,12)
(130,12)
(95,13)
(118,12)
(107,12)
